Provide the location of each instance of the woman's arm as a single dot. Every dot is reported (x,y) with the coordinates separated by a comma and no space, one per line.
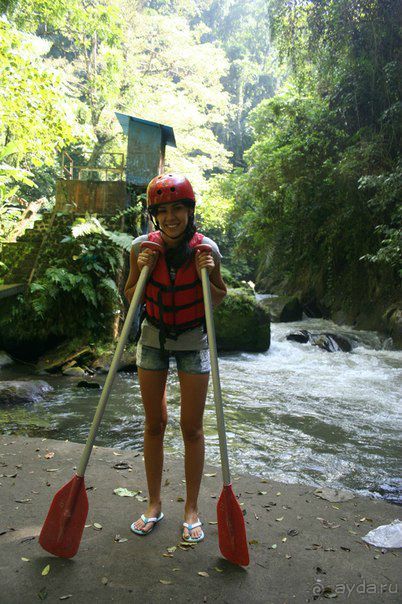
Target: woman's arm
(218,287)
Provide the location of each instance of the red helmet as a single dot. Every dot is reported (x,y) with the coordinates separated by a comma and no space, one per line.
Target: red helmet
(168,188)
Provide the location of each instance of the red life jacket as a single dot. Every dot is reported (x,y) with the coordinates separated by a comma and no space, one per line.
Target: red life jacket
(179,306)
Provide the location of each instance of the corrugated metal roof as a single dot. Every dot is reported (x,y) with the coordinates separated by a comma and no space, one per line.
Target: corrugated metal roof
(167,131)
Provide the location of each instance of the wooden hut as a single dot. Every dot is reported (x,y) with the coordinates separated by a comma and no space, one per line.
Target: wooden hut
(146,144)
(101,187)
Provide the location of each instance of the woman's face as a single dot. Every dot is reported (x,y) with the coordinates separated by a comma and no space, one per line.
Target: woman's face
(173,219)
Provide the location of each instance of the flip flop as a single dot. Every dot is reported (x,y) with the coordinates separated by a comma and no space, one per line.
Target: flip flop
(190,527)
(145,521)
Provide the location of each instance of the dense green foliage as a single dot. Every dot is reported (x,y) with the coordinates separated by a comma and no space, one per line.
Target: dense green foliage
(74,290)
(320,199)
(287,117)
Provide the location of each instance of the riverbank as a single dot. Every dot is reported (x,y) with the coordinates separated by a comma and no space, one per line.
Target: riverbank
(302,547)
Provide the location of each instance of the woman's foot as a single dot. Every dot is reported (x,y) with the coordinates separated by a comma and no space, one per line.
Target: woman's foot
(193,534)
(153,511)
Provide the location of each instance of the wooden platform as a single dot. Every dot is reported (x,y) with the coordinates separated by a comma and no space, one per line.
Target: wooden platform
(11,289)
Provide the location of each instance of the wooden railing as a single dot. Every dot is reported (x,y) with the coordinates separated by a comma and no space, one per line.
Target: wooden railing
(68,169)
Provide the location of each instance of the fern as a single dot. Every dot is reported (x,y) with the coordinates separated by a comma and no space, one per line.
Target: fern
(122,240)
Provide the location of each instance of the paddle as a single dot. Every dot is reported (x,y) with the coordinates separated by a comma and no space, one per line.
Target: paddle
(62,530)
(231,527)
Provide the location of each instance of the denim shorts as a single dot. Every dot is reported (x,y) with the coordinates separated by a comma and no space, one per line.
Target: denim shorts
(188,361)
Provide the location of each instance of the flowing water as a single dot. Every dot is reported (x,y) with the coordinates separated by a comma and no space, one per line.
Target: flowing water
(294,413)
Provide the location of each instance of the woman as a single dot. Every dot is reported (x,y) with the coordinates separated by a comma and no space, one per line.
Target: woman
(174,325)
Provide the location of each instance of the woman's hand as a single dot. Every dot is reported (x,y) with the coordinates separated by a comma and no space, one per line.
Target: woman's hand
(147,257)
(204,260)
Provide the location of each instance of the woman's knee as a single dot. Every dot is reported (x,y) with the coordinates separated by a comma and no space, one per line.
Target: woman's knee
(155,428)
(191,432)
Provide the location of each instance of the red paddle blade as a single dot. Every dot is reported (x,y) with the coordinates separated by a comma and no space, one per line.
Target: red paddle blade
(62,531)
(231,528)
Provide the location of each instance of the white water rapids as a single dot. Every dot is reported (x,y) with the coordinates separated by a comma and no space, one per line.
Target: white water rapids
(295,413)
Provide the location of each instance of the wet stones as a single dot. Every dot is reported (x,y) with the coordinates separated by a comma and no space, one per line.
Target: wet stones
(331,342)
(23,391)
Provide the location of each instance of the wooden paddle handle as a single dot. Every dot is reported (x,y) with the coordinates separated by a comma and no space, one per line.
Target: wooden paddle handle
(216,383)
(135,301)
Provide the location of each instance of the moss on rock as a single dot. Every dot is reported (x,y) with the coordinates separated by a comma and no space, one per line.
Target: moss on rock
(242,323)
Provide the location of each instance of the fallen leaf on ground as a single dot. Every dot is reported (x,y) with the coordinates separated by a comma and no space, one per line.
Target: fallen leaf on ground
(171,549)
(284,540)
(210,475)
(49,455)
(97,526)
(287,556)
(117,454)
(202,573)
(292,532)
(279,519)
(25,559)
(218,570)
(123,492)
(262,492)
(180,499)
(279,494)
(175,569)
(168,555)
(22,500)
(52,469)
(212,522)
(165,582)
(274,546)
(26,539)
(105,580)
(46,570)
(66,597)
(42,594)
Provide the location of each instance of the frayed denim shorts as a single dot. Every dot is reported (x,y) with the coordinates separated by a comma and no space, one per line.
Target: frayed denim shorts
(188,361)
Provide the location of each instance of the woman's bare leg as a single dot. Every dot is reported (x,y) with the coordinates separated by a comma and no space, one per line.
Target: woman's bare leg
(153,392)
(193,389)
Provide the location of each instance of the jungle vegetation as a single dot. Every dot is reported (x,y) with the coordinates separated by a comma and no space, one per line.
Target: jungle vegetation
(287,116)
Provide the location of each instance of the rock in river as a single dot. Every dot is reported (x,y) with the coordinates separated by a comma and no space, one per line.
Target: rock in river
(23,391)
(5,359)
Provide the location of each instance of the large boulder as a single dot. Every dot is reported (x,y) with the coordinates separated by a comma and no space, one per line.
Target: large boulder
(21,391)
(283,308)
(393,322)
(242,323)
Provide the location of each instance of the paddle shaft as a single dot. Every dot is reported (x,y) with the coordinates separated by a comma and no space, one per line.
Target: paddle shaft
(216,383)
(139,290)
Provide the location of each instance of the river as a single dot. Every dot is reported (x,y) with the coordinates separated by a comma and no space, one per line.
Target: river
(294,413)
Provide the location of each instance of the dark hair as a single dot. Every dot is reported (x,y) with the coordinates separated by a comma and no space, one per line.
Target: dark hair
(153,210)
